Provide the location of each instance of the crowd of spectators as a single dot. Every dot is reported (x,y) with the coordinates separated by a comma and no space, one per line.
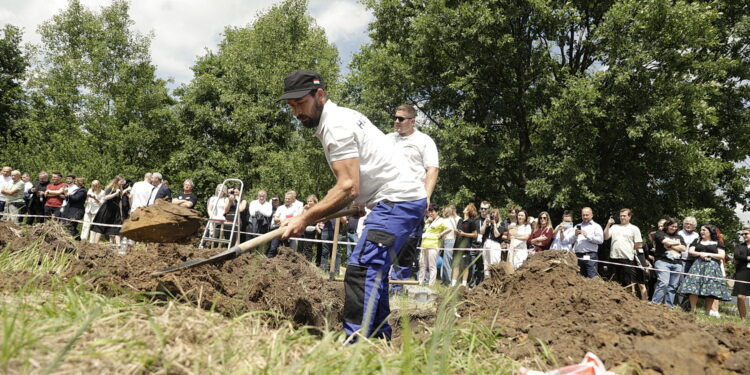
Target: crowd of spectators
(672,266)
(687,263)
(99,211)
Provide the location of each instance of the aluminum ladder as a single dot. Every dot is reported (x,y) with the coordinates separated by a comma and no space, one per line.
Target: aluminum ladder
(216,234)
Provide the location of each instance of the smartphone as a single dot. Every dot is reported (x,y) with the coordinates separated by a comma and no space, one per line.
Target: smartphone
(578,226)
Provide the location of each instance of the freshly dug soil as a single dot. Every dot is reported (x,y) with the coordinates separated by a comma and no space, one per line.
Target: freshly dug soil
(161,222)
(51,236)
(287,284)
(547,301)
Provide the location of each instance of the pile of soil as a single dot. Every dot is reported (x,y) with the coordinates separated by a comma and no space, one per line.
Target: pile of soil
(287,284)
(161,222)
(51,236)
(547,302)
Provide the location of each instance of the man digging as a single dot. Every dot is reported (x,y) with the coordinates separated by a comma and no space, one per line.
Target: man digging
(367,173)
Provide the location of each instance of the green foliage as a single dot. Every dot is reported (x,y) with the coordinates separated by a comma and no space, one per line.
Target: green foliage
(560,105)
(96,107)
(230,122)
(13,64)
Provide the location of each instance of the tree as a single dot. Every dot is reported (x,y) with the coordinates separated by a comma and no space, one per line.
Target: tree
(230,122)
(13,64)
(560,105)
(97,108)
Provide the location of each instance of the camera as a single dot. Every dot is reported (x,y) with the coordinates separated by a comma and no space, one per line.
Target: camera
(578,226)
(492,217)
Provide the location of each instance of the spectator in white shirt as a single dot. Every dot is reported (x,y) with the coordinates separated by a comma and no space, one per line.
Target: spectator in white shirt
(285,212)
(564,233)
(4,179)
(260,212)
(689,235)
(94,200)
(627,242)
(589,235)
(141,192)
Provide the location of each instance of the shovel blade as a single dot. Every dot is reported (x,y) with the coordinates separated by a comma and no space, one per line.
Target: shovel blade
(181,266)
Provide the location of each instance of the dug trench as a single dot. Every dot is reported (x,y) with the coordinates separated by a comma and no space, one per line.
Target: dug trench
(545,304)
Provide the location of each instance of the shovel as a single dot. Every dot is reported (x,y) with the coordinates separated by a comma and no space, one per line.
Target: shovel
(242,248)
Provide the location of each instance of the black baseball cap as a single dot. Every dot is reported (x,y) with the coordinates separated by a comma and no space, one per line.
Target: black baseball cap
(300,83)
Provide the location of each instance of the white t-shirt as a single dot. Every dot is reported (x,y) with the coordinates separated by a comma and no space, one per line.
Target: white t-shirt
(92,206)
(285,212)
(5,183)
(521,230)
(71,189)
(688,238)
(419,150)
(347,134)
(566,242)
(216,207)
(266,209)
(139,194)
(624,238)
(451,223)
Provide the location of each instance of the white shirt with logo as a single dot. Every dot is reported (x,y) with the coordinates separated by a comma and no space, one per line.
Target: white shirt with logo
(347,134)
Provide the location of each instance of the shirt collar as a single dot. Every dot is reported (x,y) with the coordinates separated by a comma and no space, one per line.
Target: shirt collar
(327,108)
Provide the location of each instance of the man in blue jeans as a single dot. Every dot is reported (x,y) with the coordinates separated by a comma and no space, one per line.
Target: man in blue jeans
(368,174)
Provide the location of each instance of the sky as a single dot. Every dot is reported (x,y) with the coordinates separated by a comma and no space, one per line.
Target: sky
(184,29)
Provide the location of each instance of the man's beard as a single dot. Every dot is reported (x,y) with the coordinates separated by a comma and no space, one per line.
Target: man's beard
(312,122)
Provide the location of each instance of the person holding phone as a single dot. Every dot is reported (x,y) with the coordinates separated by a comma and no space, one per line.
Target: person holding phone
(564,233)
(588,236)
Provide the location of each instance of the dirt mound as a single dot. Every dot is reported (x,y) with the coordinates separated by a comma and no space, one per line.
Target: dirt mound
(286,285)
(51,235)
(547,302)
(161,222)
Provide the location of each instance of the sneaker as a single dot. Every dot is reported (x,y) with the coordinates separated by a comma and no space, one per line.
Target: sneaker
(715,314)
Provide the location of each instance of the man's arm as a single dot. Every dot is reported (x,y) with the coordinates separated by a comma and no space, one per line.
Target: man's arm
(430,179)
(338,198)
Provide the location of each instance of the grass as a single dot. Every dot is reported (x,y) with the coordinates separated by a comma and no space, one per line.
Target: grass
(60,326)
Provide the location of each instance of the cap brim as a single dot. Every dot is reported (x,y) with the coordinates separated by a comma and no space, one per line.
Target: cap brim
(294,94)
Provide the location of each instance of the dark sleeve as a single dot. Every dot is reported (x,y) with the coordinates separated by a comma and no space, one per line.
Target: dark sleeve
(475,225)
(659,236)
(695,242)
(78,196)
(682,240)
(194,198)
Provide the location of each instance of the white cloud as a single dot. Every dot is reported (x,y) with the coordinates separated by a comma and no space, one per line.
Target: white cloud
(183,29)
(344,21)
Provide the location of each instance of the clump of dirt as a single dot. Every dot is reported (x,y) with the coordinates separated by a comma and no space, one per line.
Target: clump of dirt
(161,222)
(287,284)
(547,303)
(52,234)
(9,232)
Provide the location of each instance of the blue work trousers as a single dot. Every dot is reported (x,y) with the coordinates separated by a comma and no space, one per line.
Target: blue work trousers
(386,230)
(407,258)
